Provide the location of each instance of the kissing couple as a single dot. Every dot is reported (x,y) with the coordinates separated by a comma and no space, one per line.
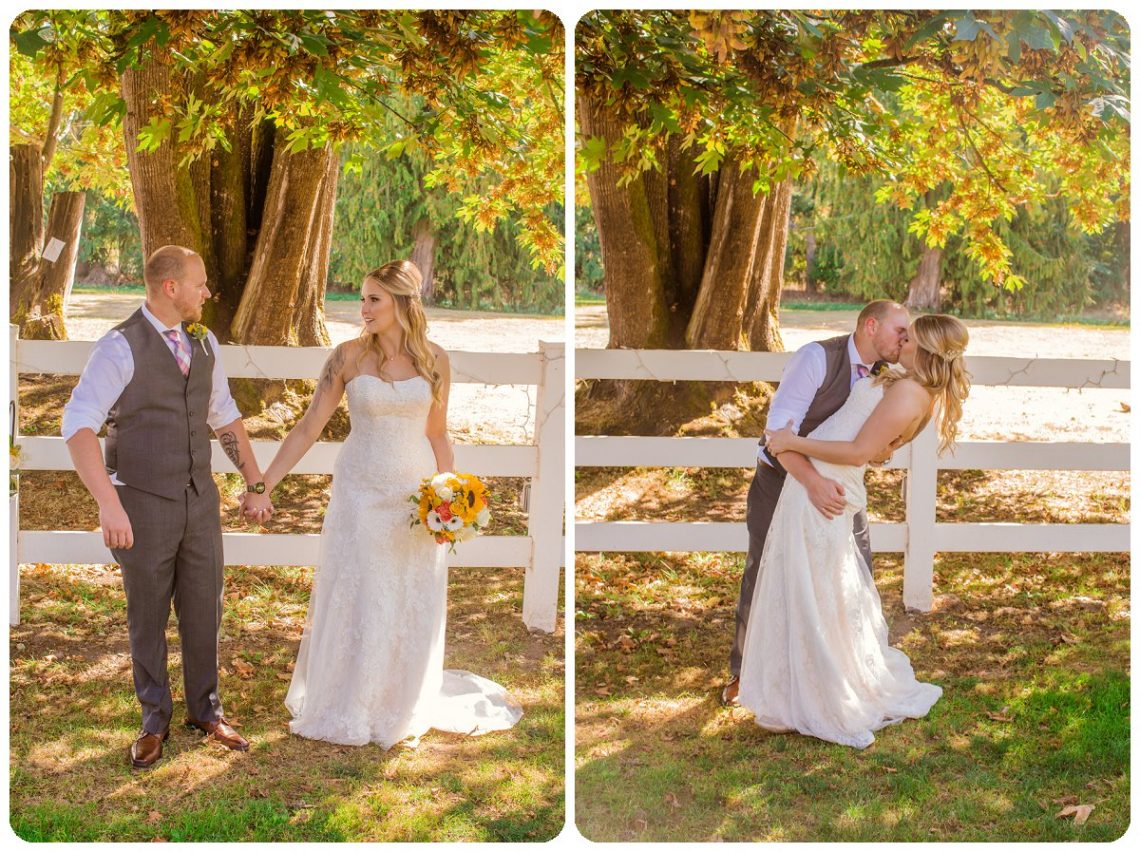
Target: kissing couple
(370,664)
(810,650)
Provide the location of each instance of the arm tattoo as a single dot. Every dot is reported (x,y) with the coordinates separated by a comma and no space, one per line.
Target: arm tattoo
(332,368)
(229,443)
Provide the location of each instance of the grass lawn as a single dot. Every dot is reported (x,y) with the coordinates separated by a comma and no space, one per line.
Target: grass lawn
(1032,651)
(73,710)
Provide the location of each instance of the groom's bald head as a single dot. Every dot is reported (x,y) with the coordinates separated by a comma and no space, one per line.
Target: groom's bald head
(169,263)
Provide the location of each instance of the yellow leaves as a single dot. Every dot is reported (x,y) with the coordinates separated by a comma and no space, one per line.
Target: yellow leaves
(720,31)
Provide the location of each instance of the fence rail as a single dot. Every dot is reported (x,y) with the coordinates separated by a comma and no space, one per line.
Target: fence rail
(539,551)
(919,537)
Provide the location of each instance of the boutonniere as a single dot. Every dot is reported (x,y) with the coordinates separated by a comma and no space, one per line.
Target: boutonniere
(198,332)
(878,367)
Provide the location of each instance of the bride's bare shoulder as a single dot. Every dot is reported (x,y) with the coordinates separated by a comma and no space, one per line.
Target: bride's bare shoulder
(907,391)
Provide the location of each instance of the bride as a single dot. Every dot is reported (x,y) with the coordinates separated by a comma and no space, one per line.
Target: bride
(816,658)
(370,665)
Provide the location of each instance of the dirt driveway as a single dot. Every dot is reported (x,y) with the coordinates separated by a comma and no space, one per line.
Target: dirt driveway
(1032,414)
(493,414)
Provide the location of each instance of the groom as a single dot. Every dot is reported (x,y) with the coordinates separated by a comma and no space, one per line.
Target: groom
(159,388)
(815,383)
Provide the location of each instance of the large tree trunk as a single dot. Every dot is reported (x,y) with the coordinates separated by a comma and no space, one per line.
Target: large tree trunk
(689,262)
(291,252)
(260,217)
(924,292)
(41,270)
(57,266)
(25,230)
(423,256)
(762,311)
(634,277)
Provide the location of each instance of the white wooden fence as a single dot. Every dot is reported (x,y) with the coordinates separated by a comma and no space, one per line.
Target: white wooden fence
(919,537)
(542,462)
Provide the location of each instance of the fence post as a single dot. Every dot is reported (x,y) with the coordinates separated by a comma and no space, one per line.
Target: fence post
(545,519)
(13,498)
(921,502)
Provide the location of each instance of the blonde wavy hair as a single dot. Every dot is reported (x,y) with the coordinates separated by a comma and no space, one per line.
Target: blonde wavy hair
(401,279)
(940,367)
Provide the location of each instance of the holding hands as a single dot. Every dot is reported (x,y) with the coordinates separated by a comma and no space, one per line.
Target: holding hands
(255,506)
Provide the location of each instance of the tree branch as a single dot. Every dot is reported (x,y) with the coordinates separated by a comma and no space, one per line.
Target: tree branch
(981,159)
(47,152)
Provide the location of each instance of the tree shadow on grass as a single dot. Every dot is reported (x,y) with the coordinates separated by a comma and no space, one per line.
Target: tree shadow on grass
(1032,652)
(74,714)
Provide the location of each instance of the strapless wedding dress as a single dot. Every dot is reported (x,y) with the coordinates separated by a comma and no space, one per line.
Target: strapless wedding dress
(370,665)
(816,658)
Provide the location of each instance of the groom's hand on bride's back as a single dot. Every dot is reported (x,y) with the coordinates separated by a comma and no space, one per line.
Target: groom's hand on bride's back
(827,496)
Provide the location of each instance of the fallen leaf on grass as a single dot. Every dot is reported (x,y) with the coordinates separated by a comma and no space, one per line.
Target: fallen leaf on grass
(1066,800)
(1069,639)
(626,643)
(641,824)
(1001,716)
(284,676)
(244,670)
(632,679)
(153,816)
(602,690)
(671,799)
(890,769)
(1079,813)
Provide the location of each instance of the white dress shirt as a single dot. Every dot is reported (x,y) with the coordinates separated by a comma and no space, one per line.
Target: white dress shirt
(112,365)
(802,378)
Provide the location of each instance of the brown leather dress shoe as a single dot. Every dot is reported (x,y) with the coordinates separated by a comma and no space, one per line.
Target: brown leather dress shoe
(222,731)
(147,749)
(730,695)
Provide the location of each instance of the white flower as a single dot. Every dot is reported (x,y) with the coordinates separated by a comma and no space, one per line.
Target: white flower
(440,480)
(435,524)
(465,534)
(453,523)
(445,494)
(483,517)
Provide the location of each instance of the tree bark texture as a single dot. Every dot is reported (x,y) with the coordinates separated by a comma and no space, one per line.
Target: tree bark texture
(295,232)
(25,229)
(634,278)
(762,308)
(423,256)
(65,223)
(260,218)
(924,290)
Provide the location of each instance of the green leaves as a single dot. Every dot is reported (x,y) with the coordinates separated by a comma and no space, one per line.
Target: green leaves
(30,42)
(591,153)
(151,137)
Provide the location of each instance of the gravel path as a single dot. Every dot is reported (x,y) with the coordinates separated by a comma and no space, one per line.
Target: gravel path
(493,414)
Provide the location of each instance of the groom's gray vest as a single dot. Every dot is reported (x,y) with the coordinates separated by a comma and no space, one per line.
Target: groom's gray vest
(158,440)
(832,393)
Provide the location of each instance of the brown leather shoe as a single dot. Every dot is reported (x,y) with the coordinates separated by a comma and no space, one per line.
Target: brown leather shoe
(222,731)
(730,695)
(147,749)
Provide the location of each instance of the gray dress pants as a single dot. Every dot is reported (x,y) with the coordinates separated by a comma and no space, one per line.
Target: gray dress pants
(177,556)
(763,494)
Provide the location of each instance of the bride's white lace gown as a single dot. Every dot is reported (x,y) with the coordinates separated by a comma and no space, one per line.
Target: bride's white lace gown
(816,658)
(370,666)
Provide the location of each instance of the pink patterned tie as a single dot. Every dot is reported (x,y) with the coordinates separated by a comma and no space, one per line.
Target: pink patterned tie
(181,351)
(861,371)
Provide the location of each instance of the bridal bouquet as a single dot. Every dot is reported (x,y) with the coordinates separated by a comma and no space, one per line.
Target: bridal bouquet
(452,507)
